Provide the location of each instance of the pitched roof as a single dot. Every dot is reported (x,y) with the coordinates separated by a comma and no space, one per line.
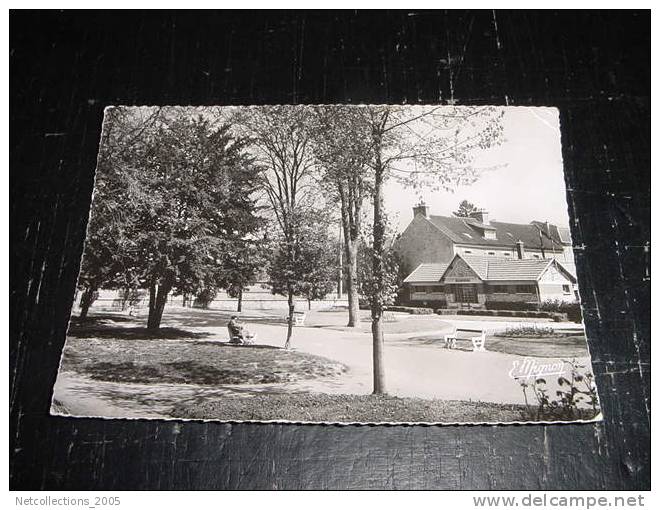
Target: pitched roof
(489,269)
(469,231)
(426,273)
(502,269)
(558,234)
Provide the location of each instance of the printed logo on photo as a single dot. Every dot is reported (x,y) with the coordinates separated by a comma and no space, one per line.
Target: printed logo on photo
(530,368)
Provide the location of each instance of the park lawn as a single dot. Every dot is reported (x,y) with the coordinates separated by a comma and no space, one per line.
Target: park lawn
(104,351)
(562,345)
(320,407)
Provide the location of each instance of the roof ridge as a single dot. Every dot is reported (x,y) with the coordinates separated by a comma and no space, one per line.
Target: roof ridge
(443,230)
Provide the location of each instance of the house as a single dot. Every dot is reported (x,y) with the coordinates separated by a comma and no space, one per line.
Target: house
(437,239)
(478,281)
(473,262)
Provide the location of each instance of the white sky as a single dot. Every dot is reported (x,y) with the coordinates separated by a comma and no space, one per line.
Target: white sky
(530,187)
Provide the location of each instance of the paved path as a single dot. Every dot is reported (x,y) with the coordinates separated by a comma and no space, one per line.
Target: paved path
(413,369)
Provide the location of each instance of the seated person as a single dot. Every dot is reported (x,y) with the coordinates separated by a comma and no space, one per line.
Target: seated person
(237,333)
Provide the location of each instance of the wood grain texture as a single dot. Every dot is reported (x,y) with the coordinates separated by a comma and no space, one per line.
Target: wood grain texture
(67,66)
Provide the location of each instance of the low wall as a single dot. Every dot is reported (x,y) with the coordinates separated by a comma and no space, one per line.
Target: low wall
(111,304)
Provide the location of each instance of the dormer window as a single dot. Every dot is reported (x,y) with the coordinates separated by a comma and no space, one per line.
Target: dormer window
(490,234)
(467,235)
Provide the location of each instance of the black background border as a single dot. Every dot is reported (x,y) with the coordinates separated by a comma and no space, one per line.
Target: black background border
(65,67)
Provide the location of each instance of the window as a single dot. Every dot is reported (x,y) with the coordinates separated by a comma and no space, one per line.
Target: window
(525,289)
(506,254)
(432,289)
(468,251)
(465,294)
(566,289)
(491,253)
(536,256)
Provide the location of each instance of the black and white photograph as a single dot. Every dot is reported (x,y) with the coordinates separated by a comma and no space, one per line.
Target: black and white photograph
(329,264)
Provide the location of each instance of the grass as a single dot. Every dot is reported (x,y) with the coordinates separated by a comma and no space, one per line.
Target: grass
(317,407)
(117,327)
(126,354)
(558,345)
(561,345)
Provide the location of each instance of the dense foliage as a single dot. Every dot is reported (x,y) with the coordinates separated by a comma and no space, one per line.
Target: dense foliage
(174,200)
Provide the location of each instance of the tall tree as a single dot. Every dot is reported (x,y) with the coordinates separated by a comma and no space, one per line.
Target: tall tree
(186,189)
(425,146)
(241,267)
(464,210)
(313,274)
(281,142)
(199,207)
(107,258)
(342,146)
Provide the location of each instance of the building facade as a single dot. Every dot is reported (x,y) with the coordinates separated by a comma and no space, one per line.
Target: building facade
(474,262)
(436,239)
(476,281)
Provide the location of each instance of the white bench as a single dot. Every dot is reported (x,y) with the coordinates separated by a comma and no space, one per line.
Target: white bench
(478,341)
(298,318)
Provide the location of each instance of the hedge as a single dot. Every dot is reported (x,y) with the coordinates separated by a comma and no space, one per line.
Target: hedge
(413,310)
(512,305)
(571,310)
(555,316)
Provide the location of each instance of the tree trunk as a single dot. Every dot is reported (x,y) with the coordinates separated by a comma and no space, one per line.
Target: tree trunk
(352,285)
(351,236)
(157,299)
(292,308)
(125,297)
(86,300)
(378,275)
(239,307)
(378,354)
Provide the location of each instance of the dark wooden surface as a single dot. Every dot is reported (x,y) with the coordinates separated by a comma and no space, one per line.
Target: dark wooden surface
(66,67)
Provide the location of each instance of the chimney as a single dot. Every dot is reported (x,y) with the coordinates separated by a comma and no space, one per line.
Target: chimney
(422,209)
(481,215)
(520,249)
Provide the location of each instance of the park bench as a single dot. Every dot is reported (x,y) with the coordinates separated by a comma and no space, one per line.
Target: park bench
(298,318)
(478,340)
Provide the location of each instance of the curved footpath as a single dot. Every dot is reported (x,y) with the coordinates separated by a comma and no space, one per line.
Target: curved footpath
(413,369)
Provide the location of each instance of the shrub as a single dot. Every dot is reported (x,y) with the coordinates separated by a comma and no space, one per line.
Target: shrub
(555,316)
(424,304)
(572,401)
(413,310)
(511,305)
(205,298)
(572,310)
(527,331)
